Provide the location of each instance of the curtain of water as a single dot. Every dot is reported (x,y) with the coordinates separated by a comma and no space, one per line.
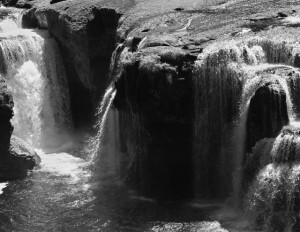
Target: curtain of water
(32,67)
(94,143)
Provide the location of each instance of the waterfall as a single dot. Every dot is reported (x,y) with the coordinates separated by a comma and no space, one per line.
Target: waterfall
(240,134)
(8,25)
(273,198)
(218,83)
(94,143)
(33,69)
(227,76)
(250,89)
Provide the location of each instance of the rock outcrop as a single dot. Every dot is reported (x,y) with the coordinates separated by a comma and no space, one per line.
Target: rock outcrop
(16,156)
(18,160)
(267,112)
(6,113)
(155,91)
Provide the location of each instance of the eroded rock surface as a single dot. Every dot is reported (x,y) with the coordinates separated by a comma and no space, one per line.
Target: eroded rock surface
(267,112)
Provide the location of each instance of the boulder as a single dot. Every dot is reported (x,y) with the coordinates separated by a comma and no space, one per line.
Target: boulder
(16,162)
(267,112)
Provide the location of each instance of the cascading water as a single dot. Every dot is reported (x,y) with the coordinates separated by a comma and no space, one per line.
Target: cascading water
(32,67)
(272,164)
(103,111)
(229,78)
(274,83)
(273,198)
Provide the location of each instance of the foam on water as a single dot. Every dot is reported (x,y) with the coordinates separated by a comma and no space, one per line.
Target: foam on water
(3,185)
(64,164)
(8,25)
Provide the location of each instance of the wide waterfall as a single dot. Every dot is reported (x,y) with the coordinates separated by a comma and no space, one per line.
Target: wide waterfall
(246,91)
(33,68)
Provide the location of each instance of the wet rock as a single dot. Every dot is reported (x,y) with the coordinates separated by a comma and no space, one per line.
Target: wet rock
(267,112)
(86,33)
(18,160)
(157,91)
(266,116)
(16,156)
(6,113)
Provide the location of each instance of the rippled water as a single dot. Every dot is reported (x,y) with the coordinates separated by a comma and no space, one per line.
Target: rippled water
(63,195)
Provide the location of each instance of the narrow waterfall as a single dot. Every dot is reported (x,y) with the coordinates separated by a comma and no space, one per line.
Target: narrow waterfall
(103,112)
(240,134)
(33,69)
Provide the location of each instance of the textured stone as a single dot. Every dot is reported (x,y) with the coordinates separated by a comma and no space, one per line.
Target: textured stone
(16,162)
(267,112)
(157,90)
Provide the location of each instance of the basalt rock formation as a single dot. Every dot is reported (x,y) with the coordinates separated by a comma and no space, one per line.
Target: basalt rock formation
(155,88)
(267,112)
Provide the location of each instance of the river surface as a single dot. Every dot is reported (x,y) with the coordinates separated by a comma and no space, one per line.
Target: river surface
(63,195)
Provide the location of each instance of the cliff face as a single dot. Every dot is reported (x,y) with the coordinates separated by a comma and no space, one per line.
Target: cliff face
(155,90)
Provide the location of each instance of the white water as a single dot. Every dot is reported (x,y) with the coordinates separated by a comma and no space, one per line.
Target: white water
(249,90)
(94,143)
(32,67)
